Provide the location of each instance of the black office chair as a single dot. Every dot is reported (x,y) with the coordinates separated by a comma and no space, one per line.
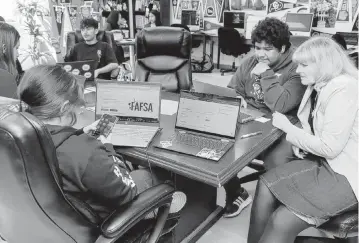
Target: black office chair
(164,56)
(34,208)
(231,42)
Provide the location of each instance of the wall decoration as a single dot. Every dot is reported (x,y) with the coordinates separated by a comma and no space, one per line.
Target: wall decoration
(355,23)
(73,13)
(85,11)
(59,16)
(174,7)
(237,5)
(210,9)
(325,12)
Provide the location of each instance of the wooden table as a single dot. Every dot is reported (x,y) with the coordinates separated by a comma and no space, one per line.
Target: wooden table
(198,178)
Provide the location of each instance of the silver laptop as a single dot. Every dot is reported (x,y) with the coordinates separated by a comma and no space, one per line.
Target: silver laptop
(300,24)
(137,106)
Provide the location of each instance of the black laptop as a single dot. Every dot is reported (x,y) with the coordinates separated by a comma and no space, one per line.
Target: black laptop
(206,125)
(82,68)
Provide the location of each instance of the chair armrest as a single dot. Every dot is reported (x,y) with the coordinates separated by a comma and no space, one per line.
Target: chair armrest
(124,218)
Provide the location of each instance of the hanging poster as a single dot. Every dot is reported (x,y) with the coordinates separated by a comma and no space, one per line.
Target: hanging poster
(59,17)
(325,12)
(174,7)
(85,11)
(355,25)
(73,16)
(210,9)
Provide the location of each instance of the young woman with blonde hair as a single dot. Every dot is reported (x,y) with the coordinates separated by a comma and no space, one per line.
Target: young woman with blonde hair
(322,181)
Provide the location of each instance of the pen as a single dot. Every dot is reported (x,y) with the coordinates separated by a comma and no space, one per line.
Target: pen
(248,119)
(251,134)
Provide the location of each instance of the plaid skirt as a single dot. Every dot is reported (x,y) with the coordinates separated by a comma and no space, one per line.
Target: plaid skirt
(311,189)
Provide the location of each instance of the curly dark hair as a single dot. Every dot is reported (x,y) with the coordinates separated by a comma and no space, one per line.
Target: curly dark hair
(272,31)
(89,22)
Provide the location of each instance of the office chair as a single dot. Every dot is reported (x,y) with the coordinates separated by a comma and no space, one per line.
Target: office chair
(34,208)
(231,42)
(195,43)
(164,55)
(75,37)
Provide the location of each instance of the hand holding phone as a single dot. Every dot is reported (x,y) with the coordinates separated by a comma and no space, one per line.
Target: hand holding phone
(105,125)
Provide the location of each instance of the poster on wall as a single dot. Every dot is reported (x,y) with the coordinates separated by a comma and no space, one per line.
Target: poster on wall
(325,13)
(344,19)
(174,7)
(224,5)
(72,10)
(280,8)
(85,12)
(188,5)
(239,5)
(355,23)
(59,17)
(210,9)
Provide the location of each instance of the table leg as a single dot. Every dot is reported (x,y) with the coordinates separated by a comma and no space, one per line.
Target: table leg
(212,44)
(204,47)
(132,61)
(218,55)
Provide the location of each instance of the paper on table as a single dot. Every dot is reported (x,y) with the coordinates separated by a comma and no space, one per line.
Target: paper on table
(89,90)
(169,107)
(262,119)
(252,113)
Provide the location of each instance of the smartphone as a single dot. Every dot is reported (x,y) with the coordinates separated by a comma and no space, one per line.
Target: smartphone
(105,125)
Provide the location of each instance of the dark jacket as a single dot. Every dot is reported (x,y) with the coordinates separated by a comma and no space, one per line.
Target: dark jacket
(278,89)
(91,172)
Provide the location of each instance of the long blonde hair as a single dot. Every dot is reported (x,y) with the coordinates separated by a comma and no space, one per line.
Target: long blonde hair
(9,37)
(329,58)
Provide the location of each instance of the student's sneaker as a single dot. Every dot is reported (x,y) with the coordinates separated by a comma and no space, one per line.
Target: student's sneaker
(234,208)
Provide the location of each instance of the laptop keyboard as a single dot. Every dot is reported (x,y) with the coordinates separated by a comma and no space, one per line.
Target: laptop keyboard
(199,142)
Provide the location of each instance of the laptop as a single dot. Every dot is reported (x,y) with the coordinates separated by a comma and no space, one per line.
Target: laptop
(245,113)
(300,24)
(206,126)
(82,68)
(137,106)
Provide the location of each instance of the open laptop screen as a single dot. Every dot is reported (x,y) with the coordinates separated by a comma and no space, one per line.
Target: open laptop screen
(129,101)
(299,21)
(208,113)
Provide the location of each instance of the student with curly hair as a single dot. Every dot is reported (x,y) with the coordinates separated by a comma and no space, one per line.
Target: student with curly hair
(266,80)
